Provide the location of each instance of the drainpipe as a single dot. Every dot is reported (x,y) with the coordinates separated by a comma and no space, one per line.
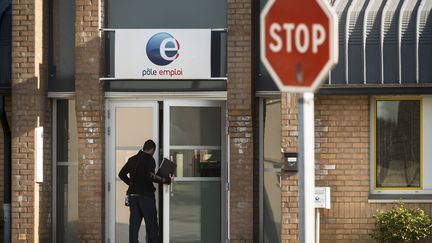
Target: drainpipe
(7,171)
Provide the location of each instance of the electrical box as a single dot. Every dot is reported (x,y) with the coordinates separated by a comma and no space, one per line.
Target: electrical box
(290,162)
(322,197)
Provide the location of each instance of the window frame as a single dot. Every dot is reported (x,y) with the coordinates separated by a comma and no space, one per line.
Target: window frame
(262,169)
(396,190)
(56,161)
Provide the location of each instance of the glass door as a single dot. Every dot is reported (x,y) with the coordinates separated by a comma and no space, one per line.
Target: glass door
(130,124)
(194,204)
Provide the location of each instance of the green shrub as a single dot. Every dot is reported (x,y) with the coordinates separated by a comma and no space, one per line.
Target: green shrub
(401,224)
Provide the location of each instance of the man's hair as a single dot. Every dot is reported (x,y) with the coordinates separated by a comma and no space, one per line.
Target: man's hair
(149,145)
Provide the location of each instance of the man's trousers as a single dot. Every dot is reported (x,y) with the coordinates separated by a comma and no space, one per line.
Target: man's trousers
(143,207)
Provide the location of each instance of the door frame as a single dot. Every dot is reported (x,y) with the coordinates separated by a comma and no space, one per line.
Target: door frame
(134,99)
(110,175)
(224,180)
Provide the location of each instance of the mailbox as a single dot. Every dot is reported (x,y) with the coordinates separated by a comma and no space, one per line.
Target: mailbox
(322,197)
(290,162)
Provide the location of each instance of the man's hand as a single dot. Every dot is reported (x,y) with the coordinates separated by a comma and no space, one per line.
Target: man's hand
(168,180)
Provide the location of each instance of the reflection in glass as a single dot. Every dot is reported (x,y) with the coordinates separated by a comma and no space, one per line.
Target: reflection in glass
(272,170)
(398,143)
(197,163)
(195,146)
(67,203)
(195,214)
(66,172)
(134,125)
(195,126)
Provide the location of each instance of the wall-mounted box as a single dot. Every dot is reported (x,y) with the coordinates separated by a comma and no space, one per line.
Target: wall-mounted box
(38,154)
(322,197)
(291,162)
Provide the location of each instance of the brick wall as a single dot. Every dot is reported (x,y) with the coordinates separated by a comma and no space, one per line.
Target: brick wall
(30,207)
(89,110)
(342,162)
(256,172)
(240,116)
(289,190)
(342,140)
(45,188)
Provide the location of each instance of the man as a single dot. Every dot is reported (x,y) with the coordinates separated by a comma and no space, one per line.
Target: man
(142,203)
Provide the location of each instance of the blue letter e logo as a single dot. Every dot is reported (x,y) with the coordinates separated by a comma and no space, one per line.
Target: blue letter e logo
(162,49)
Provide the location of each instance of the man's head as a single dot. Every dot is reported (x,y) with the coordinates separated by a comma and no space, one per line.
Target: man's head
(149,147)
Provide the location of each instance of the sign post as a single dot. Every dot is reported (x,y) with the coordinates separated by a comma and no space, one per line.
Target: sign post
(299,47)
(306,183)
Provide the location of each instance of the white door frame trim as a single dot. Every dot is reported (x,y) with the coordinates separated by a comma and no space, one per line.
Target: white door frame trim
(224,176)
(199,99)
(110,176)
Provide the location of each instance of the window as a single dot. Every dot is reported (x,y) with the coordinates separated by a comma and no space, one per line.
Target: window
(65,171)
(61,46)
(398,144)
(270,163)
(196,137)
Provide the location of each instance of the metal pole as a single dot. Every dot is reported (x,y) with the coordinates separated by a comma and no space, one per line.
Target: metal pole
(317,227)
(306,149)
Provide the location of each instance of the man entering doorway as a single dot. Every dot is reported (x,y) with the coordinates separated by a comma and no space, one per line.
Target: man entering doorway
(141,191)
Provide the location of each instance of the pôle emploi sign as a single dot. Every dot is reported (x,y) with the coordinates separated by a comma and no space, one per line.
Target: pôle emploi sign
(162,54)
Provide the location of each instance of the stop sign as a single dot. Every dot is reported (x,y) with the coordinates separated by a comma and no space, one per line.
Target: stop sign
(298,43)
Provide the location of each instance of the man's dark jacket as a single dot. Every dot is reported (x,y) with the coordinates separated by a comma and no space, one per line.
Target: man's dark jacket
(141,170)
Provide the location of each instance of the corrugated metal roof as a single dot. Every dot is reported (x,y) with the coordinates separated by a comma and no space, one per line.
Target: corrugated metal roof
(383,42)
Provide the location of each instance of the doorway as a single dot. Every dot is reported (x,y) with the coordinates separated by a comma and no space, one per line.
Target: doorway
(190,133)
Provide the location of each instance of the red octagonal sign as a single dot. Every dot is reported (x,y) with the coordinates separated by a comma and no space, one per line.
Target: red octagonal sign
(298,43)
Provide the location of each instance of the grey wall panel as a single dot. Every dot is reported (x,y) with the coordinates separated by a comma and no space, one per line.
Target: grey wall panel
(145,14)
(63,34)
(338,74)
(391,64)
(390,41)
(425,42)
(407,41)
(372,39)
(66,50)
(408,66)
(355,20)
(355,64)
(373,64)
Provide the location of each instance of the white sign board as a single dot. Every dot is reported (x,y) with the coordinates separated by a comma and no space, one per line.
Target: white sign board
(162,54)
(322,197)
(39,154)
